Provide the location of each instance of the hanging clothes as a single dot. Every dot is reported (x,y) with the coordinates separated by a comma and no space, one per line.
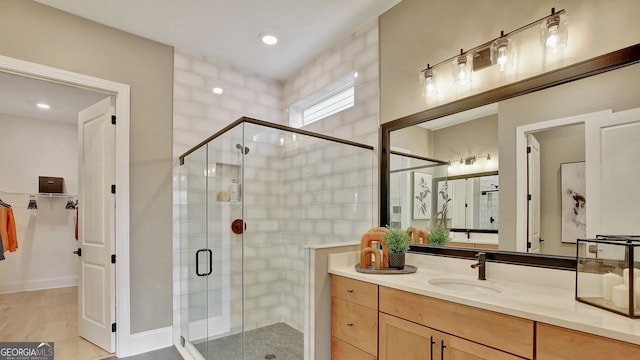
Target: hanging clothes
(8,228)
(1,249)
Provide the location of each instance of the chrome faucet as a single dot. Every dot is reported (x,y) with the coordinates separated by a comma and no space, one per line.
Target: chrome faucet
(481,265)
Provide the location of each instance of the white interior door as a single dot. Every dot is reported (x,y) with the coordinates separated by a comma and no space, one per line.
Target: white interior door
(612,146)
(533,191)
(96,292)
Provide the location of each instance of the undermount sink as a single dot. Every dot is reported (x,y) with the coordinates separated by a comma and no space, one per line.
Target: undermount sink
(465,286)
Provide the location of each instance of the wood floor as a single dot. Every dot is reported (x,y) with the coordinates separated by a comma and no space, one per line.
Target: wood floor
(47,315)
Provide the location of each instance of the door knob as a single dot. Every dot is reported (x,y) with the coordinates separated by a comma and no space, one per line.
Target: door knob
(78,252)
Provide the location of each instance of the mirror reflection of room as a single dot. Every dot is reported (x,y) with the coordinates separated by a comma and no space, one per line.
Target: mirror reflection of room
(463,178)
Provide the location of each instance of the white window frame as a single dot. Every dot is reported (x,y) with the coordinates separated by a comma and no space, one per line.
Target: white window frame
(332,99)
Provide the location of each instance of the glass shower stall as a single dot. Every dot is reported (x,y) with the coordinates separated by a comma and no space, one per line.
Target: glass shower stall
(250,199)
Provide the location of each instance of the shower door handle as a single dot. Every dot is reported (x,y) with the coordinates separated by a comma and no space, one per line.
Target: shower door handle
(198,262)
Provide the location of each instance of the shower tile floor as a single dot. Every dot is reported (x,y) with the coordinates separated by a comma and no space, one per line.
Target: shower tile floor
(280,340)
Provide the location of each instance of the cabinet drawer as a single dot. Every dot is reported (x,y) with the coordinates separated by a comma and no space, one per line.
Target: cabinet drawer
(356,291)
(340,350)
(355,324)
(504,332)
(553,342)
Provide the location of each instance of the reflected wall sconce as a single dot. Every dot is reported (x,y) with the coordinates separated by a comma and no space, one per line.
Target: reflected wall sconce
(470,160)
(498,52)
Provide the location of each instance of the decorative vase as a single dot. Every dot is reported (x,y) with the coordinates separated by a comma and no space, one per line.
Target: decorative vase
(396,260)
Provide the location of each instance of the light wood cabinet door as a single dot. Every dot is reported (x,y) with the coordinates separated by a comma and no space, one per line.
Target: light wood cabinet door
(557,343)
(340,350)
(401,339)
(355,324)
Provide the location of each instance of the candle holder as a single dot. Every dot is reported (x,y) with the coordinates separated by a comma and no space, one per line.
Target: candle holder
(608,273)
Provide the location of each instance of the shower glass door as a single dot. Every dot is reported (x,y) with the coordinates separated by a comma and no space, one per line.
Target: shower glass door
(207,211)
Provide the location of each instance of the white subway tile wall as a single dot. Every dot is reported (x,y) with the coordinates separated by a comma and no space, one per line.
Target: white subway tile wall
(301,193)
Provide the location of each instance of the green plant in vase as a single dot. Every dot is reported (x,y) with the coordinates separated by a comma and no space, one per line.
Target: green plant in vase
(398,242)
(438,235)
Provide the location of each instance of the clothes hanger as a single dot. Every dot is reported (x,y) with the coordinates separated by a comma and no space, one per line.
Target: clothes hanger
(2,203)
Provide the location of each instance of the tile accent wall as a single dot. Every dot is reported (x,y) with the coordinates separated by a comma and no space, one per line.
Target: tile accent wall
(359,52)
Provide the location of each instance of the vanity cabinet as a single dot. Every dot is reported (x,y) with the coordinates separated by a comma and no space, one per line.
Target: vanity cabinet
(557,343)
(354,319)
(479,334)
(376,322)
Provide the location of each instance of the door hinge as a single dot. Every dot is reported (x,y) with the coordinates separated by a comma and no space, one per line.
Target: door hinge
(528,149)
(113,119)
(113,327)
(528,197)
(78,252)
(113,189)
(182,341)
(528,245)
(113,258)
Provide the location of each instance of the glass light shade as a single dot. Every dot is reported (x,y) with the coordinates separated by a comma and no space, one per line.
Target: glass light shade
(502,53)
(461,68)
(428,83)
(554,34)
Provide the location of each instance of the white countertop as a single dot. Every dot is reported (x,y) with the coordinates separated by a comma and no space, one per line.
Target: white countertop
(551,305)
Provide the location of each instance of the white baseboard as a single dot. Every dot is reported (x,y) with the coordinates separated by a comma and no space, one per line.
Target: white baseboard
(39,284)
(148,341)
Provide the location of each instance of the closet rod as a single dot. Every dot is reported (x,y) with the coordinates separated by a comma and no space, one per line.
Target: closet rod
(37,194)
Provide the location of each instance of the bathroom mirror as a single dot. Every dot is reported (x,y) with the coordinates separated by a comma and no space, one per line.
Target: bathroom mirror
(559,94)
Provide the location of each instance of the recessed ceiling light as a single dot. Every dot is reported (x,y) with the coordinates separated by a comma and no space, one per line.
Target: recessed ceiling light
(43,106)
(269,38)
(217,90)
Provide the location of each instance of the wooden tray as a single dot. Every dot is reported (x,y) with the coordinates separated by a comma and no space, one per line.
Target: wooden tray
(408,269)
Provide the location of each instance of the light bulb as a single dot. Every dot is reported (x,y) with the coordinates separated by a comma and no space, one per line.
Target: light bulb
(281,140)
(502,58)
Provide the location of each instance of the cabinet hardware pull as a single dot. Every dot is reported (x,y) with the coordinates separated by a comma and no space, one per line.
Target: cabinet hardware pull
(350,324)
(442,346)
(431,347)
(350,290)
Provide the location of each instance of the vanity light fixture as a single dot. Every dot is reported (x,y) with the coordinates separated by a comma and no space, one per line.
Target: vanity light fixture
(554,33)
(470,160)
(43,106)
(499,52)
(428,82)
(217,90)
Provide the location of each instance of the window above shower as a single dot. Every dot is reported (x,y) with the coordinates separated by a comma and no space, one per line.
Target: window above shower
(330,100)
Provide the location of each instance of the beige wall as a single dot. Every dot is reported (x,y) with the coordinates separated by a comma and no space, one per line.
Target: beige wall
(39,34)
(557,146)
(417,32)
(478,137)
